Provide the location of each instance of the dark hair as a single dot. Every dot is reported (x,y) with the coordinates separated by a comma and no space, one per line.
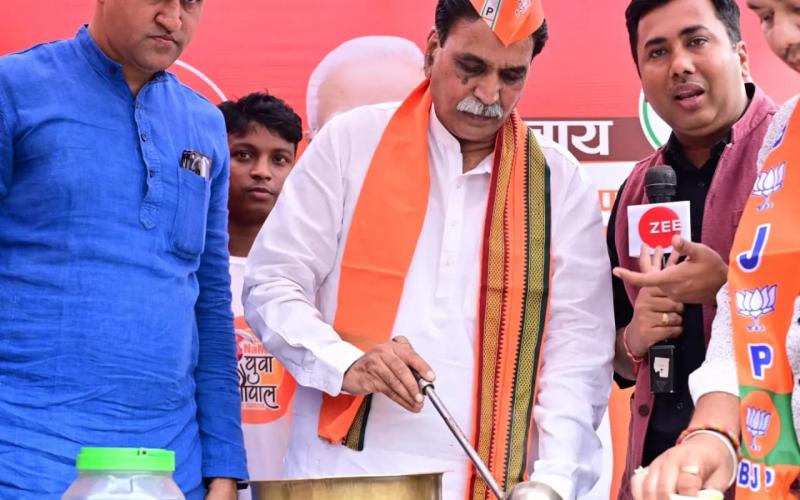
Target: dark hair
(726,10)
(450,11)
(265,110)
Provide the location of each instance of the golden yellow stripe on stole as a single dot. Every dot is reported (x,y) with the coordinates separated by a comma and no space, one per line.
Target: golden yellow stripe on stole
(496,284)
(535,310)
(355,436)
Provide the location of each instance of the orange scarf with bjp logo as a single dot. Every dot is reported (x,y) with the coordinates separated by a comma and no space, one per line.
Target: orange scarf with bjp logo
(764,284)
(514,286)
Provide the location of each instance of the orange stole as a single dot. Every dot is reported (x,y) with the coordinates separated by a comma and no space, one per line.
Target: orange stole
(764,284)
(515,275)
(386,224)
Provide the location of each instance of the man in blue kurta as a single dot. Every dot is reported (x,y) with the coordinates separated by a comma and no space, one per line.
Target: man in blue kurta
(115,318)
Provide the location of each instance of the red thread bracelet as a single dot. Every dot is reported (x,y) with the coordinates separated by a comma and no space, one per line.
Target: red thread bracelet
(636,360)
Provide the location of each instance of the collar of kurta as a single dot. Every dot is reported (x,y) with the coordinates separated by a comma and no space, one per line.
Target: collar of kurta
(514,282)
(100,62)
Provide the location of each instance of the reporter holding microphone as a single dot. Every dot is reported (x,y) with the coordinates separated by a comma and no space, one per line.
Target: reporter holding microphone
(757,319)
(694,71)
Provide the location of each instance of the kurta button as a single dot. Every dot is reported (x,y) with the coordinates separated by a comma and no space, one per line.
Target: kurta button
(151,173)
(143,136)
(644,410)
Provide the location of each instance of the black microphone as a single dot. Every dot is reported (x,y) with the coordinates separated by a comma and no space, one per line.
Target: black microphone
(661,186)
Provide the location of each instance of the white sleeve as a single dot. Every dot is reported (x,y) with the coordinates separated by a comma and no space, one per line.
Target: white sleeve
(575,381)
(292,255)
(776,129)
(718,371)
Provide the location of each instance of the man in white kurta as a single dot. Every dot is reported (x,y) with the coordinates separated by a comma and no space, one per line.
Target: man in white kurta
(293,272)
(292,280)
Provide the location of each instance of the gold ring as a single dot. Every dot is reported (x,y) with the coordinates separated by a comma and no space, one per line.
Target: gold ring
(664,319)
(691,469)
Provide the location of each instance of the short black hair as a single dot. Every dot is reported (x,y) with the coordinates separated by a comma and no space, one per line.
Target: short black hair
(726,10)
(450,11)
(265,110)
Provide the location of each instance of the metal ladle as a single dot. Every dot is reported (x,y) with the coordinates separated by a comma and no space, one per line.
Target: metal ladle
(428,390)
(529,490)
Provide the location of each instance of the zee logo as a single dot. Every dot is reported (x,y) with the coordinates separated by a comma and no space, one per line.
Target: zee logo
(658,225)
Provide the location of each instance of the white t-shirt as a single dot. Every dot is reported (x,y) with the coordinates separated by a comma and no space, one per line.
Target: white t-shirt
(266,390)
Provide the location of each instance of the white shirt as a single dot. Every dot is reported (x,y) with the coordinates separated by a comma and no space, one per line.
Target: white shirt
(292,279)
(264,441)
(236,270)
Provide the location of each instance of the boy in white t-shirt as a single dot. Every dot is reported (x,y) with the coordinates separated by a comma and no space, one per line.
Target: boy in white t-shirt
(263,134)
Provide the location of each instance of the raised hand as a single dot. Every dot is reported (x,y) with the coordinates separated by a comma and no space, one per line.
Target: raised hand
(696,280)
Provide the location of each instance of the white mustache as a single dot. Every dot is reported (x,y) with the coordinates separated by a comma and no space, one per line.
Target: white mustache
(473,106)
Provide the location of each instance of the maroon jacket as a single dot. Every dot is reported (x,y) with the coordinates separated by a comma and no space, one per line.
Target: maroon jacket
(730,188)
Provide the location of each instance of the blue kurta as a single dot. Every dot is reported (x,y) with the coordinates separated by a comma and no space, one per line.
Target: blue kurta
(115,319)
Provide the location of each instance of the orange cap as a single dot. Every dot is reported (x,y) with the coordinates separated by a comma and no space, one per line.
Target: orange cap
(511,20)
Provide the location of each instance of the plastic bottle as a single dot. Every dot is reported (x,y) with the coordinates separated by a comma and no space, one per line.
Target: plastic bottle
(124,474)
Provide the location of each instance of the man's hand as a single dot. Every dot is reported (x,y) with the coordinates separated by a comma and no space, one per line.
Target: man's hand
(696,280)
(222,488)
(386,368)
(700,462)
(656,317)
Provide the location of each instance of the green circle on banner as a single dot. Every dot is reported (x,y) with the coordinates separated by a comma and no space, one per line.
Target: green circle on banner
(655,129)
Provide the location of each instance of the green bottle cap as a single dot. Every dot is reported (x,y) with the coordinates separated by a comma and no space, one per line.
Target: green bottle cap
(126,459)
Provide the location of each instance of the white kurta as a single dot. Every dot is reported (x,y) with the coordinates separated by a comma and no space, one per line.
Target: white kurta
(292,279)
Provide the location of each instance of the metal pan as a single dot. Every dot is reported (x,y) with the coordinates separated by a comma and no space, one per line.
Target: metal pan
(402,487)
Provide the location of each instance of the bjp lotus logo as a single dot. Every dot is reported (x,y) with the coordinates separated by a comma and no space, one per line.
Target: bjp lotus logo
(757,423)
(768,183)
(761,427)
(756,303)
